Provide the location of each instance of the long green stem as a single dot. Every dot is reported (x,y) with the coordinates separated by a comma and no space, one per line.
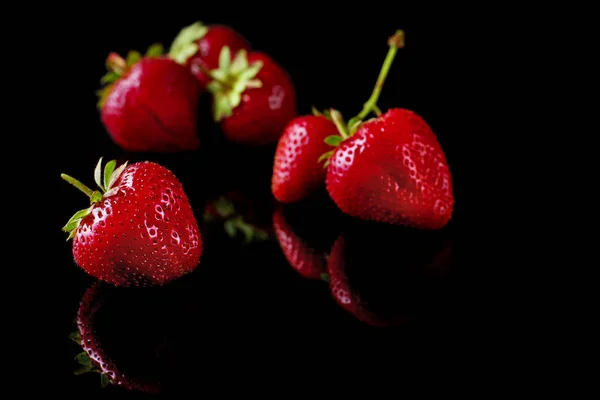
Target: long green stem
(89,192)
(395,42)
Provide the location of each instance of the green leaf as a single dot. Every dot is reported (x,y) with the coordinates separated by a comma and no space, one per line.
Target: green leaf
(325,277)
(104,380)
(83,358)
(75,219)
(185,44)
(229,227)
(96,197)
(338,120)
(325,156)
(98,174)
(333,140)
(316,112)
(108,170)
(102,95)
(221,106)
(76,337)
(240,62)
(224,58)
(247,230)
(224,207)
(133,57)
(115,175)
(109,77)
(327,114)
(353,124)
(155,50)
(83,369)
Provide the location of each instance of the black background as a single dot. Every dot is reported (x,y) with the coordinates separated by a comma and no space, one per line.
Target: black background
(263,324)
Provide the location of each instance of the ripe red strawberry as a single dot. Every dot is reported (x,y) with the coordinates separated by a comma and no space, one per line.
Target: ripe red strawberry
(253,97)
(198,47)
(392,168)
(387,275)
(297,171)
(149,103)
(140,228)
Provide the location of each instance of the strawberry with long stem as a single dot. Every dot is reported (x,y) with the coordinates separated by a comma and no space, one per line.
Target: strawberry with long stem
(390,168)
(308,138)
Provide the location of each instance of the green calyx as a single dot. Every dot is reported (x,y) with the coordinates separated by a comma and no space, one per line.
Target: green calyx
(348,129)
(105,182)
(235,224)
(185,44)
(230,80)
(85,362)
(117,66)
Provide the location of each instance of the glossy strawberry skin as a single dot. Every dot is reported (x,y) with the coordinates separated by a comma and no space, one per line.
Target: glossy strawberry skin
(296,169)
(393,170)
(209,49)
(301,257)
(263,112)
(144,234)
(153,108)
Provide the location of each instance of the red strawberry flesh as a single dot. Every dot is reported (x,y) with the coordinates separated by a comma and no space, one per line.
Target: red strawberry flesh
(393,170)
(142,231)
(296,170)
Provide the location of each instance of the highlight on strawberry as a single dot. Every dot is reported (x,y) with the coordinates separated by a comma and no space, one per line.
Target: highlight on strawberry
(198,47)
(140,228)
(390,168)
(149,102)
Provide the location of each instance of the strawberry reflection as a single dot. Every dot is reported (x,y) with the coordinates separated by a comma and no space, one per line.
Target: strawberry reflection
(386,275)
(240,216)
(128,336)
(305,232)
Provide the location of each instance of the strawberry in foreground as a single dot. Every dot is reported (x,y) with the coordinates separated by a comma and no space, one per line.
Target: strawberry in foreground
(140,228)
(198,47)
(253,97)
(296,172)
(390,168)
(149,103)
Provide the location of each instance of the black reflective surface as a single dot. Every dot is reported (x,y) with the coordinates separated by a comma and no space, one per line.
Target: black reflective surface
(300,292)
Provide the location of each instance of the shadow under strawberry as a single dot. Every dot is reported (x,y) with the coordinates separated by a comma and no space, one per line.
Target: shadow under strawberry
(386,275)
(305,232)
(133,337)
